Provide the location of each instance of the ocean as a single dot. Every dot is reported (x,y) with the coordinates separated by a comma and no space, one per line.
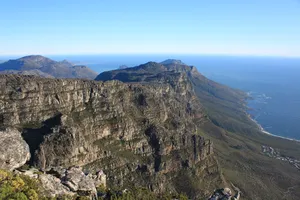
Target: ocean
(273,82)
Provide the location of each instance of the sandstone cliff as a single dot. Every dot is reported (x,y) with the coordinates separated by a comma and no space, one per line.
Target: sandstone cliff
(140,135)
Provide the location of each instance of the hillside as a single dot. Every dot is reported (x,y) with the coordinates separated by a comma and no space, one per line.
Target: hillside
(141,136)
(45,67)
(237,139)
(165,127)
(224,105)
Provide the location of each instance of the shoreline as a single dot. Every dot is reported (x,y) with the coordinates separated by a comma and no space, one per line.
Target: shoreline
(261,129)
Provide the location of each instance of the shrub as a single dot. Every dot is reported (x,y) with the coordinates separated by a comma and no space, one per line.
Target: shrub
(13,186)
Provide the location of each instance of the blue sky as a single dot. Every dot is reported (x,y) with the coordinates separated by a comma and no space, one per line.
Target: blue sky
(247,27)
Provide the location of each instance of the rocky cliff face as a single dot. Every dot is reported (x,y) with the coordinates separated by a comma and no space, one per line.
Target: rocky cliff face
(224,106)
(140,135)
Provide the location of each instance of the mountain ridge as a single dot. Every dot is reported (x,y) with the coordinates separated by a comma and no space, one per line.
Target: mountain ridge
(237,139)
(42,66)
(163,127)
(224,99)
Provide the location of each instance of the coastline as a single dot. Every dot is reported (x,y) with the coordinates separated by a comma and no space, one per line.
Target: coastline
(262,130)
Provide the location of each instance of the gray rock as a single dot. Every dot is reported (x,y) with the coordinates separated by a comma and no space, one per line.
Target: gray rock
(58,172)
(59,181)
(14,151)
(53,186)
(32,172)
(78,182)
(100,179)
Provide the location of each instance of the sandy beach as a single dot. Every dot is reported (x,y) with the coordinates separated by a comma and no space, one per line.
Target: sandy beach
(268,133)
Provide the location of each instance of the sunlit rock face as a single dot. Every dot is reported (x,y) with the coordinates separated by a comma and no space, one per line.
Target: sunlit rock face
(14,150)
(140,135)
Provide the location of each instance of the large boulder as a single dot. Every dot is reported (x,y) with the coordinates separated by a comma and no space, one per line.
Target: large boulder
(14,151)
(78,182)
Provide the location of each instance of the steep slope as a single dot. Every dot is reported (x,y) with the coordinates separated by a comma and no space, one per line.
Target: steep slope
(140,135)
(225,106)
(45,67)
(161,131)
(237,140)
(81,71)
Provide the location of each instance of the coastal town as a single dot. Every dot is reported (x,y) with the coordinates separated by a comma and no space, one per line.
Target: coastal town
(275,153)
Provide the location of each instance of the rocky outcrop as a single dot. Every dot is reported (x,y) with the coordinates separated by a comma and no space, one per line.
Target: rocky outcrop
(58,181)
(14,150)
(78,182)
(140,135)
(225,193)
(53,186)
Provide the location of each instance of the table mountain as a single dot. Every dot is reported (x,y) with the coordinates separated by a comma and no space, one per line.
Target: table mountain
(45,67)
(164,127)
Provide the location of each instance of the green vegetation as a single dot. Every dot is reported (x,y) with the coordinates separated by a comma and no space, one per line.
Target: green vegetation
(243,164)
(224,106)
(21,187)
(18,187)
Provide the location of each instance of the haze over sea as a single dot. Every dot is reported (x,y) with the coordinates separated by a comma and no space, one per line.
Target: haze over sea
(273,82)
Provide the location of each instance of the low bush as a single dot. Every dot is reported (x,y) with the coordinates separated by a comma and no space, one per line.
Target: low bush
(14,186)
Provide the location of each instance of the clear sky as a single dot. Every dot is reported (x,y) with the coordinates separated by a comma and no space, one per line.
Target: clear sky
(251,27)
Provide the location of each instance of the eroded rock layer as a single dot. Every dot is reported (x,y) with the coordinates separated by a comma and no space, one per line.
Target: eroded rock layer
(140,135)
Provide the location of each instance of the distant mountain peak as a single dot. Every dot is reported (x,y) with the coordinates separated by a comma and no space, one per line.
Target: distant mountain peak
(172,61)
(34,58)
(123,67)
(66,62)
(42,66)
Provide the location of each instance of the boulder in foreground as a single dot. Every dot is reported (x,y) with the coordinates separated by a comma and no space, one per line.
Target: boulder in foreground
(14,150)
